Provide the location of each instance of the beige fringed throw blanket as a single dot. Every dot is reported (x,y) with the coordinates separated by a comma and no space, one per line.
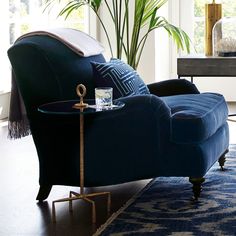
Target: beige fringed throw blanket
(79,42)
(18,124)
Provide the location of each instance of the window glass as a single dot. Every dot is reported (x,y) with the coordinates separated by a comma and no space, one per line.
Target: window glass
(22,16)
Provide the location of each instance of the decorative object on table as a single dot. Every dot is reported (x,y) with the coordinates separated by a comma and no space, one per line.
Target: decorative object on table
(130,22)
(119,75)
(162,209)
(213,12)
(224,37)
(81,92)
(103,97)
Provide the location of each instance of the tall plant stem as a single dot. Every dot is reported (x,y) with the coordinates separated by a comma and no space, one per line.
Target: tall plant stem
(140,50)
(109,9)
(136,33)
(106,33)
(115,14)
(117,26)
(142,43)
(126,23)
(120,36)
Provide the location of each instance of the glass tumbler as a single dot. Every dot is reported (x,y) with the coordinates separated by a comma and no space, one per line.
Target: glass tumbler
(103,96)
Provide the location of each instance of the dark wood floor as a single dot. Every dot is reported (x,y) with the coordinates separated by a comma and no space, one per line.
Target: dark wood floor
(21,214)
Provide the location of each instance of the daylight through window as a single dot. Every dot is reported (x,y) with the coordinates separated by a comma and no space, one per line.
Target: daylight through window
(22,16)
(228,8)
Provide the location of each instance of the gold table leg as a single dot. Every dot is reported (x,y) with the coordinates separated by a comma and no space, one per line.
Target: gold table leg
(86,197)
(74,195)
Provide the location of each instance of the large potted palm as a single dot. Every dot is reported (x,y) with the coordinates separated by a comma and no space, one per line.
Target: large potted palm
(131,28)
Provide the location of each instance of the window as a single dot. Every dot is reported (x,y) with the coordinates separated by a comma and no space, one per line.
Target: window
(21,16)
(228,10)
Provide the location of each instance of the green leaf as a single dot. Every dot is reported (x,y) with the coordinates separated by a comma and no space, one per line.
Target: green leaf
(95,4)
(69,8)
(151,8)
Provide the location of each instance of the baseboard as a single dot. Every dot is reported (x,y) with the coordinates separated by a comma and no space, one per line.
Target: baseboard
(232,107)
(4,105)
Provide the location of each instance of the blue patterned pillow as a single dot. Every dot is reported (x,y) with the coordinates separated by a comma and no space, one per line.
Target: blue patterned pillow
(124,80)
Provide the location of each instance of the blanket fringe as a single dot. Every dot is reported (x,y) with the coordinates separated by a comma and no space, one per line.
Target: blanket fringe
(18,129)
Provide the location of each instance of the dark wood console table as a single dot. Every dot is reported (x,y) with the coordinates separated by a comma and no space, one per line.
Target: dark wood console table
(199,66)
(204,66)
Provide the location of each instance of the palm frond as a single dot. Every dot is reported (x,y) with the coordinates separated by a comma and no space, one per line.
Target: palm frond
(151,8)
(130,35)
(180,38)
(49,4)
(70,7)
(95,4)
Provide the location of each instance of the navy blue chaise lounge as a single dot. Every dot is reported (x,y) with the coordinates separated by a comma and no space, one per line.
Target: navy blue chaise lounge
(173,131)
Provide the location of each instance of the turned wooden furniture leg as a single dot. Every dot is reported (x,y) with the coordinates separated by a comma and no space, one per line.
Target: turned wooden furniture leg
(222,160)
(197,186)
(43,193)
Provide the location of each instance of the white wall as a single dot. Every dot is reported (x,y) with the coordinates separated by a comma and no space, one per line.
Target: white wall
(162,51)
(147,64)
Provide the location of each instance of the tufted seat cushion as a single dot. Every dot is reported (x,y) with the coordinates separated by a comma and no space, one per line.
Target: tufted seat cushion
(196,117)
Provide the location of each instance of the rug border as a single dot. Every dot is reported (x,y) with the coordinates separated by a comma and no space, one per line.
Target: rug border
(120,210)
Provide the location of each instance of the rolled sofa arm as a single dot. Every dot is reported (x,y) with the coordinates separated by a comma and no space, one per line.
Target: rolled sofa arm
(142,116)
(128,141)
(172,87)
(142,105)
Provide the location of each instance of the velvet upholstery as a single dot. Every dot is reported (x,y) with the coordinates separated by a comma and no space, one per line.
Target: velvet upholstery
(145,139)
(199,115)
(172,87)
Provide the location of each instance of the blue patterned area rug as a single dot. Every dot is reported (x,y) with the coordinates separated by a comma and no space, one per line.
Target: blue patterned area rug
(165,207)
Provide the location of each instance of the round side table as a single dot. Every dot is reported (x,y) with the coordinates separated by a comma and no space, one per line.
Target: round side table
(70,108)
